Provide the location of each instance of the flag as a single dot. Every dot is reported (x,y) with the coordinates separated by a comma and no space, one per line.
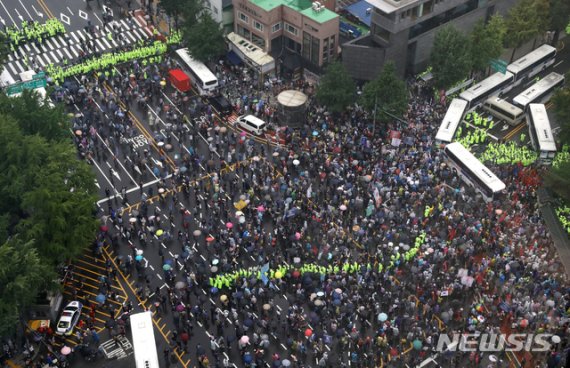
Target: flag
(264,271)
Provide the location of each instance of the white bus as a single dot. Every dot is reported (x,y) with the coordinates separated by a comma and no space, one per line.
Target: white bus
(451,121)
(473,172)
(503,110)
(201,77)
(532,63)
(494,85)
(540,133)
(144,344)
(541,91)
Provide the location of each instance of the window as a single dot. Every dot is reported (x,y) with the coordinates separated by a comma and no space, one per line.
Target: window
(315,50)
(244,18)
(276,27)
(382,33)
(289,28)
(258,25)
(428,7)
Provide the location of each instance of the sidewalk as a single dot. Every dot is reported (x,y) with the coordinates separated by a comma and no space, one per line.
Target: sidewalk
(559,237)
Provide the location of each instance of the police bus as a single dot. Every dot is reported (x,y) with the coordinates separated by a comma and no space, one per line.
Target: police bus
(144,344)
(201,77)
(541,91)
(494,85)
(540,133)
(503,110)
(473,172)
(451,121)
(532,63)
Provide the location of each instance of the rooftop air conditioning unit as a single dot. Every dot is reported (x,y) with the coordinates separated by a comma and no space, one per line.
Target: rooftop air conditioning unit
(368,11)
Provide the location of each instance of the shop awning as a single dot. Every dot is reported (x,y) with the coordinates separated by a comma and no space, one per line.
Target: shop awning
(234,58)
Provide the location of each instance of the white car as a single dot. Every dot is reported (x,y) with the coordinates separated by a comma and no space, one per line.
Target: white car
(69,318)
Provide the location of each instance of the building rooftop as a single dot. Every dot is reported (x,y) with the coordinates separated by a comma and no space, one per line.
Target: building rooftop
(302,6)
(390,6)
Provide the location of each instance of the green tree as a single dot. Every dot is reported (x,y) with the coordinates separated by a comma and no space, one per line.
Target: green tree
(36,117)
(558,180)
(174,8)
(487,42)
(559,17)
(336,89)
(561,102)
(450,57)
(4,50)
(205,39)
(24,274)
(47,194)
(387,93)
(522,24)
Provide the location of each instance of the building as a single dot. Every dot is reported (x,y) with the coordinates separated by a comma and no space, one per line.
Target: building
(222,12)
(297,33)
(403,31)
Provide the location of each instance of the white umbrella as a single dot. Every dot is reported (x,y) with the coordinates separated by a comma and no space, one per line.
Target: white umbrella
(296,162)
(556,339)
(342,207)
(241,219)
(132,220)
(139,252)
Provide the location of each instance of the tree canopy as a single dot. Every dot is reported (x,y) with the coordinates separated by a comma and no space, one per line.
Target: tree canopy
(205,38)
(487,42)
(387,93)
(450,57)
(561,102)
(522,23)
(336,89)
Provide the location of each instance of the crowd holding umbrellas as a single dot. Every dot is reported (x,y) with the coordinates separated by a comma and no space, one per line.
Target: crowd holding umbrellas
(337,249)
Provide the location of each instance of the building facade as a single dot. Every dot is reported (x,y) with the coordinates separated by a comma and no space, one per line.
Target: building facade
(285,27)
(403,31)
(222,12)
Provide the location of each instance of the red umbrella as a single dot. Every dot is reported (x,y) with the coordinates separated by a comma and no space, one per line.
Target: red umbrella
(393,352)
(308,332)
(210,239)
(296,274)
(184,337)
(104,228)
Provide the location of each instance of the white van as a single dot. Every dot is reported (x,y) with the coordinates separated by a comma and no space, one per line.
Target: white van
(252,124)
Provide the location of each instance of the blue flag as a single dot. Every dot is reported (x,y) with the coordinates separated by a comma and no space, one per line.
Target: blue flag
(264,270)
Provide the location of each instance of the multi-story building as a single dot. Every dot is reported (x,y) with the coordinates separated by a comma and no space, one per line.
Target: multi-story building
(284,27)
(403,31)
(222,12)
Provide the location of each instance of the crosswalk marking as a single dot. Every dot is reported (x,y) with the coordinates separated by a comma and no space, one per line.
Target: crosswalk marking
(44,47)
(67,53)
(106,43)
(131,37)
(36,49)
(49,41)
(13,69)
(75,53)
(27,47)
(138,22)
(99,45)
(62,41)
(10,57)
(46,56)
(61,57)
(88,35)
(142,32)
(74,36)
(55,42)
(20,67)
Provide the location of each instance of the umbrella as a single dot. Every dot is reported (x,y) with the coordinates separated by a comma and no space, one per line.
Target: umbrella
(183,169)
(241,220)
(556,339)
(255,158)
(308,332)
(240,205)
(417,344)
(524,323)
(159,232)
(132,220)
(239,213)
(382,317)
(318,303)
(550,303)
(139,258)
(210,239)
(223,298)
(180,285)
(248,322)
(139,252)
(275,154)
(261,208)
(104,228)
(296,162)
(160,190)
(100,298)
(223,129)
(214,290)
(247,358)
(179,308)
(167,267)
(297,235)
(338,290)
(229,225)
(315,133)
(244,339)
(66,350)
(78,132)
(286,363)
(493,358)
(197,233)
(266,307)
(342,207)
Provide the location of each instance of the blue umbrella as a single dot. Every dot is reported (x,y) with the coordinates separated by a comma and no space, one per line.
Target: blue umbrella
(247,358)
(315,133)
(139,258)
(382,317)
(169,262)
(100,298)
(214,290)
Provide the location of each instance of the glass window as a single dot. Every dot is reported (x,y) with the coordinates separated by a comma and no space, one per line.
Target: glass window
(276,27)
(315,48)
(306,45)
(258,25)
(244,18)
(289,28)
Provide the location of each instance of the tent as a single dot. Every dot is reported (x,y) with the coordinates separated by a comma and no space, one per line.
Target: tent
(179,79)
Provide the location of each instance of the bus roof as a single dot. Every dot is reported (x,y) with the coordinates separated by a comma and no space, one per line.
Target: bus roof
(199,68)
(532,92)
(527,60)
(485,85)
(470,161)
(451,120)
(541,125)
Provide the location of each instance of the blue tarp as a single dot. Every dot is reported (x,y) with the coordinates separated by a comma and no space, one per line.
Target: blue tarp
(234,58)
(358,9)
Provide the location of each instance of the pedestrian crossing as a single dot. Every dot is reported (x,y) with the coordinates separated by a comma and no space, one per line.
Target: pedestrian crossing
(69,47)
